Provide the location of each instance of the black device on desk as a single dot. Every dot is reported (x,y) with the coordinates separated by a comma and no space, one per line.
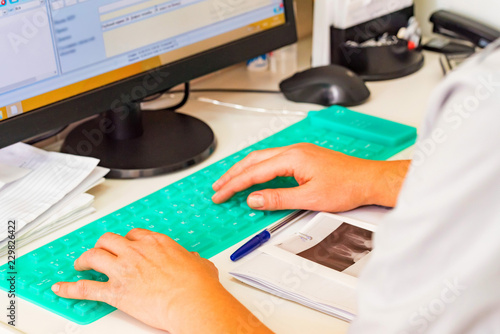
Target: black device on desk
(462,28)
(104,57)
(327,86)
(374,63)
(463,36)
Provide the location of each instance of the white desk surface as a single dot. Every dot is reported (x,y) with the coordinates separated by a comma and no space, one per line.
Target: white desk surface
(403,100)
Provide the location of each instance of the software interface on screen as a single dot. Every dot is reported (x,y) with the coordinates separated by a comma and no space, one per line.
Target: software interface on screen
(52,50)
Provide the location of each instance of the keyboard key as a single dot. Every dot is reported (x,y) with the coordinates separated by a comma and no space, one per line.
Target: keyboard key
(3,273)
(40,287)
(208,172)
(67,303)
(42,272)
(148,202)
(169,192)
(24,282)
(221,233)
(254,215)
(54,248)
(37,256)
(199,207)
(50,296)
(70,240)
(56,264)
(375,148)
(120,215)
(196,178)
(237,157)
(184,186)
(64,275)
(321,142)
(101,278)
(242,226)
(350,151)
(84,307)
(86,235)
(361,144)
(222,220)
(366,155)
(72,255)
(107,223)
(341,139)
(201,246)
(136,208)
(83,275)
(224,164)
(215,211)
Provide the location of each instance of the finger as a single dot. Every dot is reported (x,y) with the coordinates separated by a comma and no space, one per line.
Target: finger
(138,234)
(82,289)
(262,172)
(113,243)
(98,259)
(280,199)
(251,159)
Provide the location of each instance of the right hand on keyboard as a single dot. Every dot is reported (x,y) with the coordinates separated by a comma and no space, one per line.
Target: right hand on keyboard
(328,180)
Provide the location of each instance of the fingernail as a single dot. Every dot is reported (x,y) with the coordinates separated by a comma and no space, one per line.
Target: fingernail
(214,197)
(256,201)
(55,287)
(216,185)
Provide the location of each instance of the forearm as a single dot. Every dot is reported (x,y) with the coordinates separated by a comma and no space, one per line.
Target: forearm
(215,310)
(387,180)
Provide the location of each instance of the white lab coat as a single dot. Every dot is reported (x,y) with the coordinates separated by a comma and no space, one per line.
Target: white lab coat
(435,267)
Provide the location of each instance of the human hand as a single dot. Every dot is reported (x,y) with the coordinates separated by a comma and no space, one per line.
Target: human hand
(157,281)
(328,180)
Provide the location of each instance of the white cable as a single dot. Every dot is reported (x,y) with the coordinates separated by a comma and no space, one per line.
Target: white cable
(253,109)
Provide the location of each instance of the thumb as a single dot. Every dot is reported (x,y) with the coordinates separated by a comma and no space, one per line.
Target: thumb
(276,199)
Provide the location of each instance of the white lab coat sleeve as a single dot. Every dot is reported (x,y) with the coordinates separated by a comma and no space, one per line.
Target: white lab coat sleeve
(435,267)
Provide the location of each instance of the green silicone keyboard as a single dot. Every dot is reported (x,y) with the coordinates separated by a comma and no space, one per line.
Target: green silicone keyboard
(184,210)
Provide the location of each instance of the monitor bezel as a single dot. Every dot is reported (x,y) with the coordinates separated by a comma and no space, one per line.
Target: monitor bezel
(97,101)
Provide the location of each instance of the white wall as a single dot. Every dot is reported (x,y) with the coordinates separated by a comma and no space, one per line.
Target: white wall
(486,11)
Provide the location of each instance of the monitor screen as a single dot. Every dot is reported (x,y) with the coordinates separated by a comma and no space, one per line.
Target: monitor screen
(63,61)
(53,50)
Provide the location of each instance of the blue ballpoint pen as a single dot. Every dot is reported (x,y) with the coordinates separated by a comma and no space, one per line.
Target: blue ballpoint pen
(264,236)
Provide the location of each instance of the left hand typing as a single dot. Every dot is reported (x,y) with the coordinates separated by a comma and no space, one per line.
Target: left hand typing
(157,281)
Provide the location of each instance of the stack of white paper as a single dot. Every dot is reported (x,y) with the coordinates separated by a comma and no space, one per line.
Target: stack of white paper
(43,191)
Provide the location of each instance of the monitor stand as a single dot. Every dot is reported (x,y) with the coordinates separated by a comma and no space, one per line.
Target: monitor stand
(135,143)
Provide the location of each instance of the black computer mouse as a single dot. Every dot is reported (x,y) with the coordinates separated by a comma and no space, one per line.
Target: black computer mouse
(326,85)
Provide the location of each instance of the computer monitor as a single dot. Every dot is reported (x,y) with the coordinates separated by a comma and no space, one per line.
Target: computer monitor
(66,60)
